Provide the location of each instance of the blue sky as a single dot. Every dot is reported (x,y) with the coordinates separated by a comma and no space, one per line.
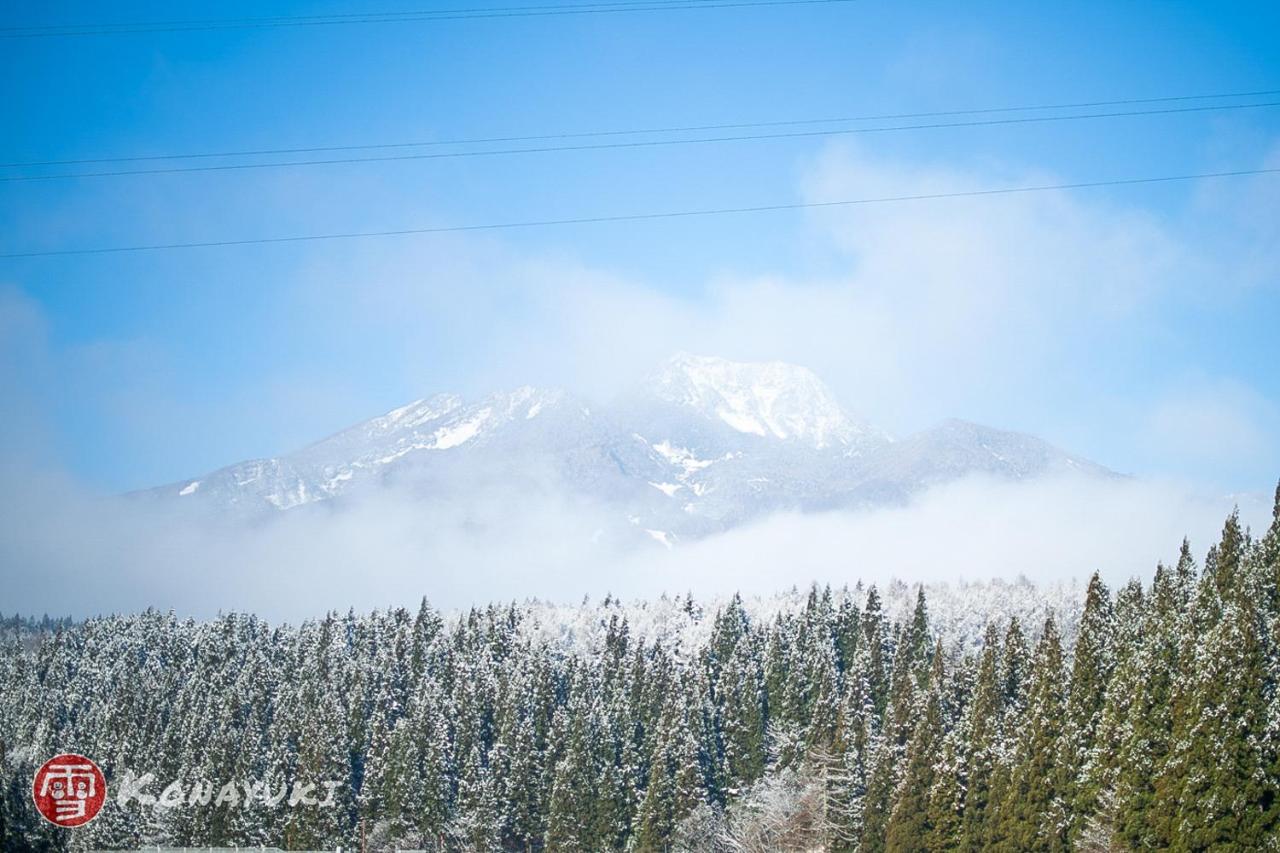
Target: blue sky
(1133,325)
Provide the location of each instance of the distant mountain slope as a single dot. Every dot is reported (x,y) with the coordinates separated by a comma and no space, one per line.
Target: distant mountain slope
(956,449)
(703,445)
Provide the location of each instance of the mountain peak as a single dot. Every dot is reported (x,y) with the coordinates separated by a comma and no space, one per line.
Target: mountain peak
(767,399)
(709,443)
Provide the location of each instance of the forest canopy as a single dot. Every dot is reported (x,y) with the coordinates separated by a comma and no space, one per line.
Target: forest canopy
(1141,718)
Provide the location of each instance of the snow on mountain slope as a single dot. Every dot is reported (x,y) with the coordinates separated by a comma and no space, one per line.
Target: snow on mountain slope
(774,400)
(704,445)
(959,448)
(367,451)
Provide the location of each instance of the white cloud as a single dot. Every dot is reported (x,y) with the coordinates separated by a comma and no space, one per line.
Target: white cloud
(61,552)
(1223,425)
(974,529)
(930,309)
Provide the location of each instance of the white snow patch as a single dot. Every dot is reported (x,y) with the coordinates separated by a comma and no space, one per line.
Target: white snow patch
(767,399)
(190,488)
(742,422)
(660,536)
(668,489)
(408,448)
(682,457)
(296,497)
(337,479)
(415,414)
(452,436)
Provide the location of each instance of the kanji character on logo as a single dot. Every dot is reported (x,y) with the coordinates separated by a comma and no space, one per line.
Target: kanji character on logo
(69,790)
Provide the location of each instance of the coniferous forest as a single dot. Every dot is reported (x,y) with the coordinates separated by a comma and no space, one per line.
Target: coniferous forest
(1148,718)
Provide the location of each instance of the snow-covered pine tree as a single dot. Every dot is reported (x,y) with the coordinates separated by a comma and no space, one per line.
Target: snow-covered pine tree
(875,635)
(951,773)
(848,775)
(982,750)
(1092,667)
(1034,811)
(1136,723)
(740,694)
(910,825)
(1219,773)
(673,788)
(907,689)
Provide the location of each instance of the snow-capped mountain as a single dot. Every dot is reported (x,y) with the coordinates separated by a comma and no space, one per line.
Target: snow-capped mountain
(771,400)
(704,444)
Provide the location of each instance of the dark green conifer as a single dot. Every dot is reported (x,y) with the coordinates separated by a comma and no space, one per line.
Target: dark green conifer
(1091,671)
(983,748)
(1033,813)
(911,821)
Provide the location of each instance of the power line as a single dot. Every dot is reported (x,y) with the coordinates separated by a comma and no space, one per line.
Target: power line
(263,152)
(53,31)
(640,217)
(336,17)
(651,143)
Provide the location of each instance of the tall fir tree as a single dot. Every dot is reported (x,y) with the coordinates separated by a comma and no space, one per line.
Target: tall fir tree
(982,750)
(1034,811)
(1225,794)
(1091,671)
(912,820)
(673,788)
